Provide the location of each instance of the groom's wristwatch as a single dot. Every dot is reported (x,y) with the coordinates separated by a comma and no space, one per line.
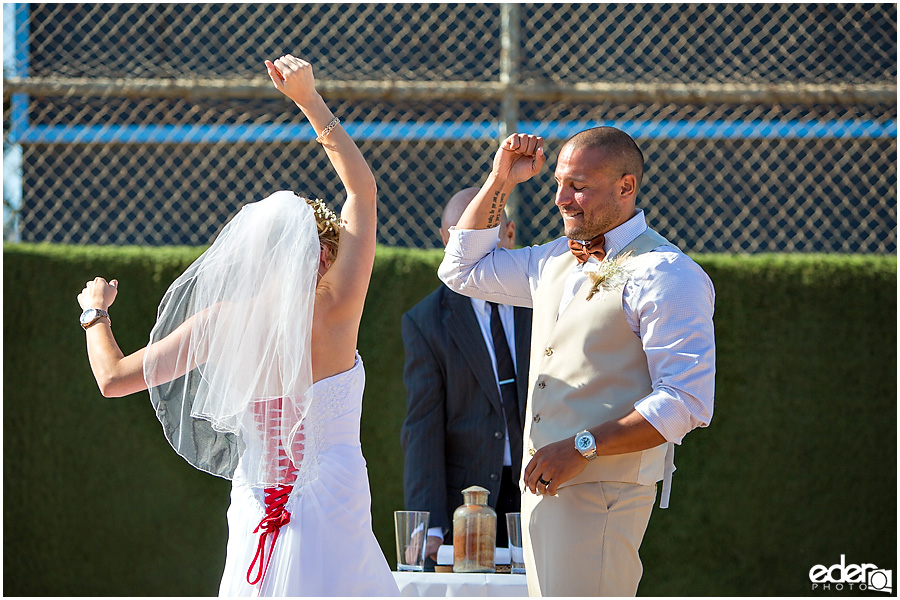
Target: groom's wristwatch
(585,443)
(92,315)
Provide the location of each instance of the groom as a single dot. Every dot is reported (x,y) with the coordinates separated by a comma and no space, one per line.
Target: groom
(622,356)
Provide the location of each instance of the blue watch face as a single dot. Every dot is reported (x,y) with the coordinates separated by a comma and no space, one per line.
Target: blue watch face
(584,442)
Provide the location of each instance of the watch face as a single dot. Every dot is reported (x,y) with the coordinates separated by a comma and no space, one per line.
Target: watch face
(584,442)
(88,315)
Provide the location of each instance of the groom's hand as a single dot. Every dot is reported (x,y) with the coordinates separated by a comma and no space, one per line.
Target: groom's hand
(555,463)
(520,157)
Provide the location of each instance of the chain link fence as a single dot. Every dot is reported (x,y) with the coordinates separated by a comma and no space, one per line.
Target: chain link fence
(766,127)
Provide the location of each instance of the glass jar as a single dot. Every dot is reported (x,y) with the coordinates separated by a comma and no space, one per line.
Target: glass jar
(474,533)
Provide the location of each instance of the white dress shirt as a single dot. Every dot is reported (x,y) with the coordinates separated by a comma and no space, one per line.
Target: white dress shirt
(483,314)
(668,302)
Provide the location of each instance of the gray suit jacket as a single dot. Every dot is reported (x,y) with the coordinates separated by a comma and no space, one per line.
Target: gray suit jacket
(453,433)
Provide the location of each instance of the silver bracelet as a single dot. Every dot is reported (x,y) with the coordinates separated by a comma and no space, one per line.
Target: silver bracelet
(331,125)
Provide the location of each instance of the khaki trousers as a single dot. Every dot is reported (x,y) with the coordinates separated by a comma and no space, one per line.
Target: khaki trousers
(584,541)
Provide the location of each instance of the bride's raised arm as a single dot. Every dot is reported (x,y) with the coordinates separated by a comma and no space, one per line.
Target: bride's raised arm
(341,292)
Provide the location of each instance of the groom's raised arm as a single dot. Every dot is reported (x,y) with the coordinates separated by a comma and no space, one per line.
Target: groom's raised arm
(519,158)
(473,265)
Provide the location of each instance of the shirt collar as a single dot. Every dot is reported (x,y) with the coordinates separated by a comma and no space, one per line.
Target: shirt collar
(616,239)
(481,306)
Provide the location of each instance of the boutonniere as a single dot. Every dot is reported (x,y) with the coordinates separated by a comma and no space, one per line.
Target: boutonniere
(609,274)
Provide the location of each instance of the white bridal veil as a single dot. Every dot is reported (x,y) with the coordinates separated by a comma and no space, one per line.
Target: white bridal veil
(228,365)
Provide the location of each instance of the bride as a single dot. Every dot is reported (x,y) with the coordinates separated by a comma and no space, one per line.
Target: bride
(253,372)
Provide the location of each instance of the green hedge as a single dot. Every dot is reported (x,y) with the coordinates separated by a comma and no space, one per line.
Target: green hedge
(798,467)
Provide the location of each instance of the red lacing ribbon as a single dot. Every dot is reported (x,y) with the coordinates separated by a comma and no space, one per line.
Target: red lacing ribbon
(276,517)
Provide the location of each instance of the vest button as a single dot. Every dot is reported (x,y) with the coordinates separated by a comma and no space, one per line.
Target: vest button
(495,477)
(537,418)
(498,435)
(549,351)
(542,385)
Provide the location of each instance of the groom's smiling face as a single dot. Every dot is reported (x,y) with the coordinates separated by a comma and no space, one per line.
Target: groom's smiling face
(593,195)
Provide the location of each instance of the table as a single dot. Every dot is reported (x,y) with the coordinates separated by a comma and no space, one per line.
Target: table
(460,584)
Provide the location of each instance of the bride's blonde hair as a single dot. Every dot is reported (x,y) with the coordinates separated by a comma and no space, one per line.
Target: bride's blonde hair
(328,225)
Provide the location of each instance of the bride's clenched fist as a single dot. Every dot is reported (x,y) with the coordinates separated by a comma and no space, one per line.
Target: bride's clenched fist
(293,77)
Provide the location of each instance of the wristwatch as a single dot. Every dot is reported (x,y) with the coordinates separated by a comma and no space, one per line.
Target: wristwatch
(92,315)
(585,443)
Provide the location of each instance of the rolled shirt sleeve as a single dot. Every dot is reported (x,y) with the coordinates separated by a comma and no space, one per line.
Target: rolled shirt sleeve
(670,306)
(474,266)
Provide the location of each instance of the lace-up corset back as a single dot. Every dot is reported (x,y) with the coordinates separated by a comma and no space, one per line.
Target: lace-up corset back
(277,466)
(333,418)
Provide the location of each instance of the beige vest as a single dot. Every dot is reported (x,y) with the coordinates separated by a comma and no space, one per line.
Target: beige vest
(587,367)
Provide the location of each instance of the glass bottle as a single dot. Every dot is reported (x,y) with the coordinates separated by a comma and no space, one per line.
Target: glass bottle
(474,533)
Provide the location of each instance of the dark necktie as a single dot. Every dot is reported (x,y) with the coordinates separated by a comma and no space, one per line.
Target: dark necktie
(506,375)
(584,250)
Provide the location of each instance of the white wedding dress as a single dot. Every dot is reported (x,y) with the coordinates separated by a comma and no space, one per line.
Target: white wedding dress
(327,548)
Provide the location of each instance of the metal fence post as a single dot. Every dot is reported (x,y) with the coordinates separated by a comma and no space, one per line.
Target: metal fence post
(510,51)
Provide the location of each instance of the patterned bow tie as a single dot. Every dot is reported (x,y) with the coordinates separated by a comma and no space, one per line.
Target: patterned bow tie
(583,251)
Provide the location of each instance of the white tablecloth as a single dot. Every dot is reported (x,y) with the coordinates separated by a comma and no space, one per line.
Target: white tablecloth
(460,584)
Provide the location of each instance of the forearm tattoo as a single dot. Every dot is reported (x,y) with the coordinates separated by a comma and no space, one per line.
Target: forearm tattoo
(497,204)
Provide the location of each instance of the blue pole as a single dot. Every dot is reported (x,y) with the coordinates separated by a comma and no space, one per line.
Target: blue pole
(20,66)
(15,27)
